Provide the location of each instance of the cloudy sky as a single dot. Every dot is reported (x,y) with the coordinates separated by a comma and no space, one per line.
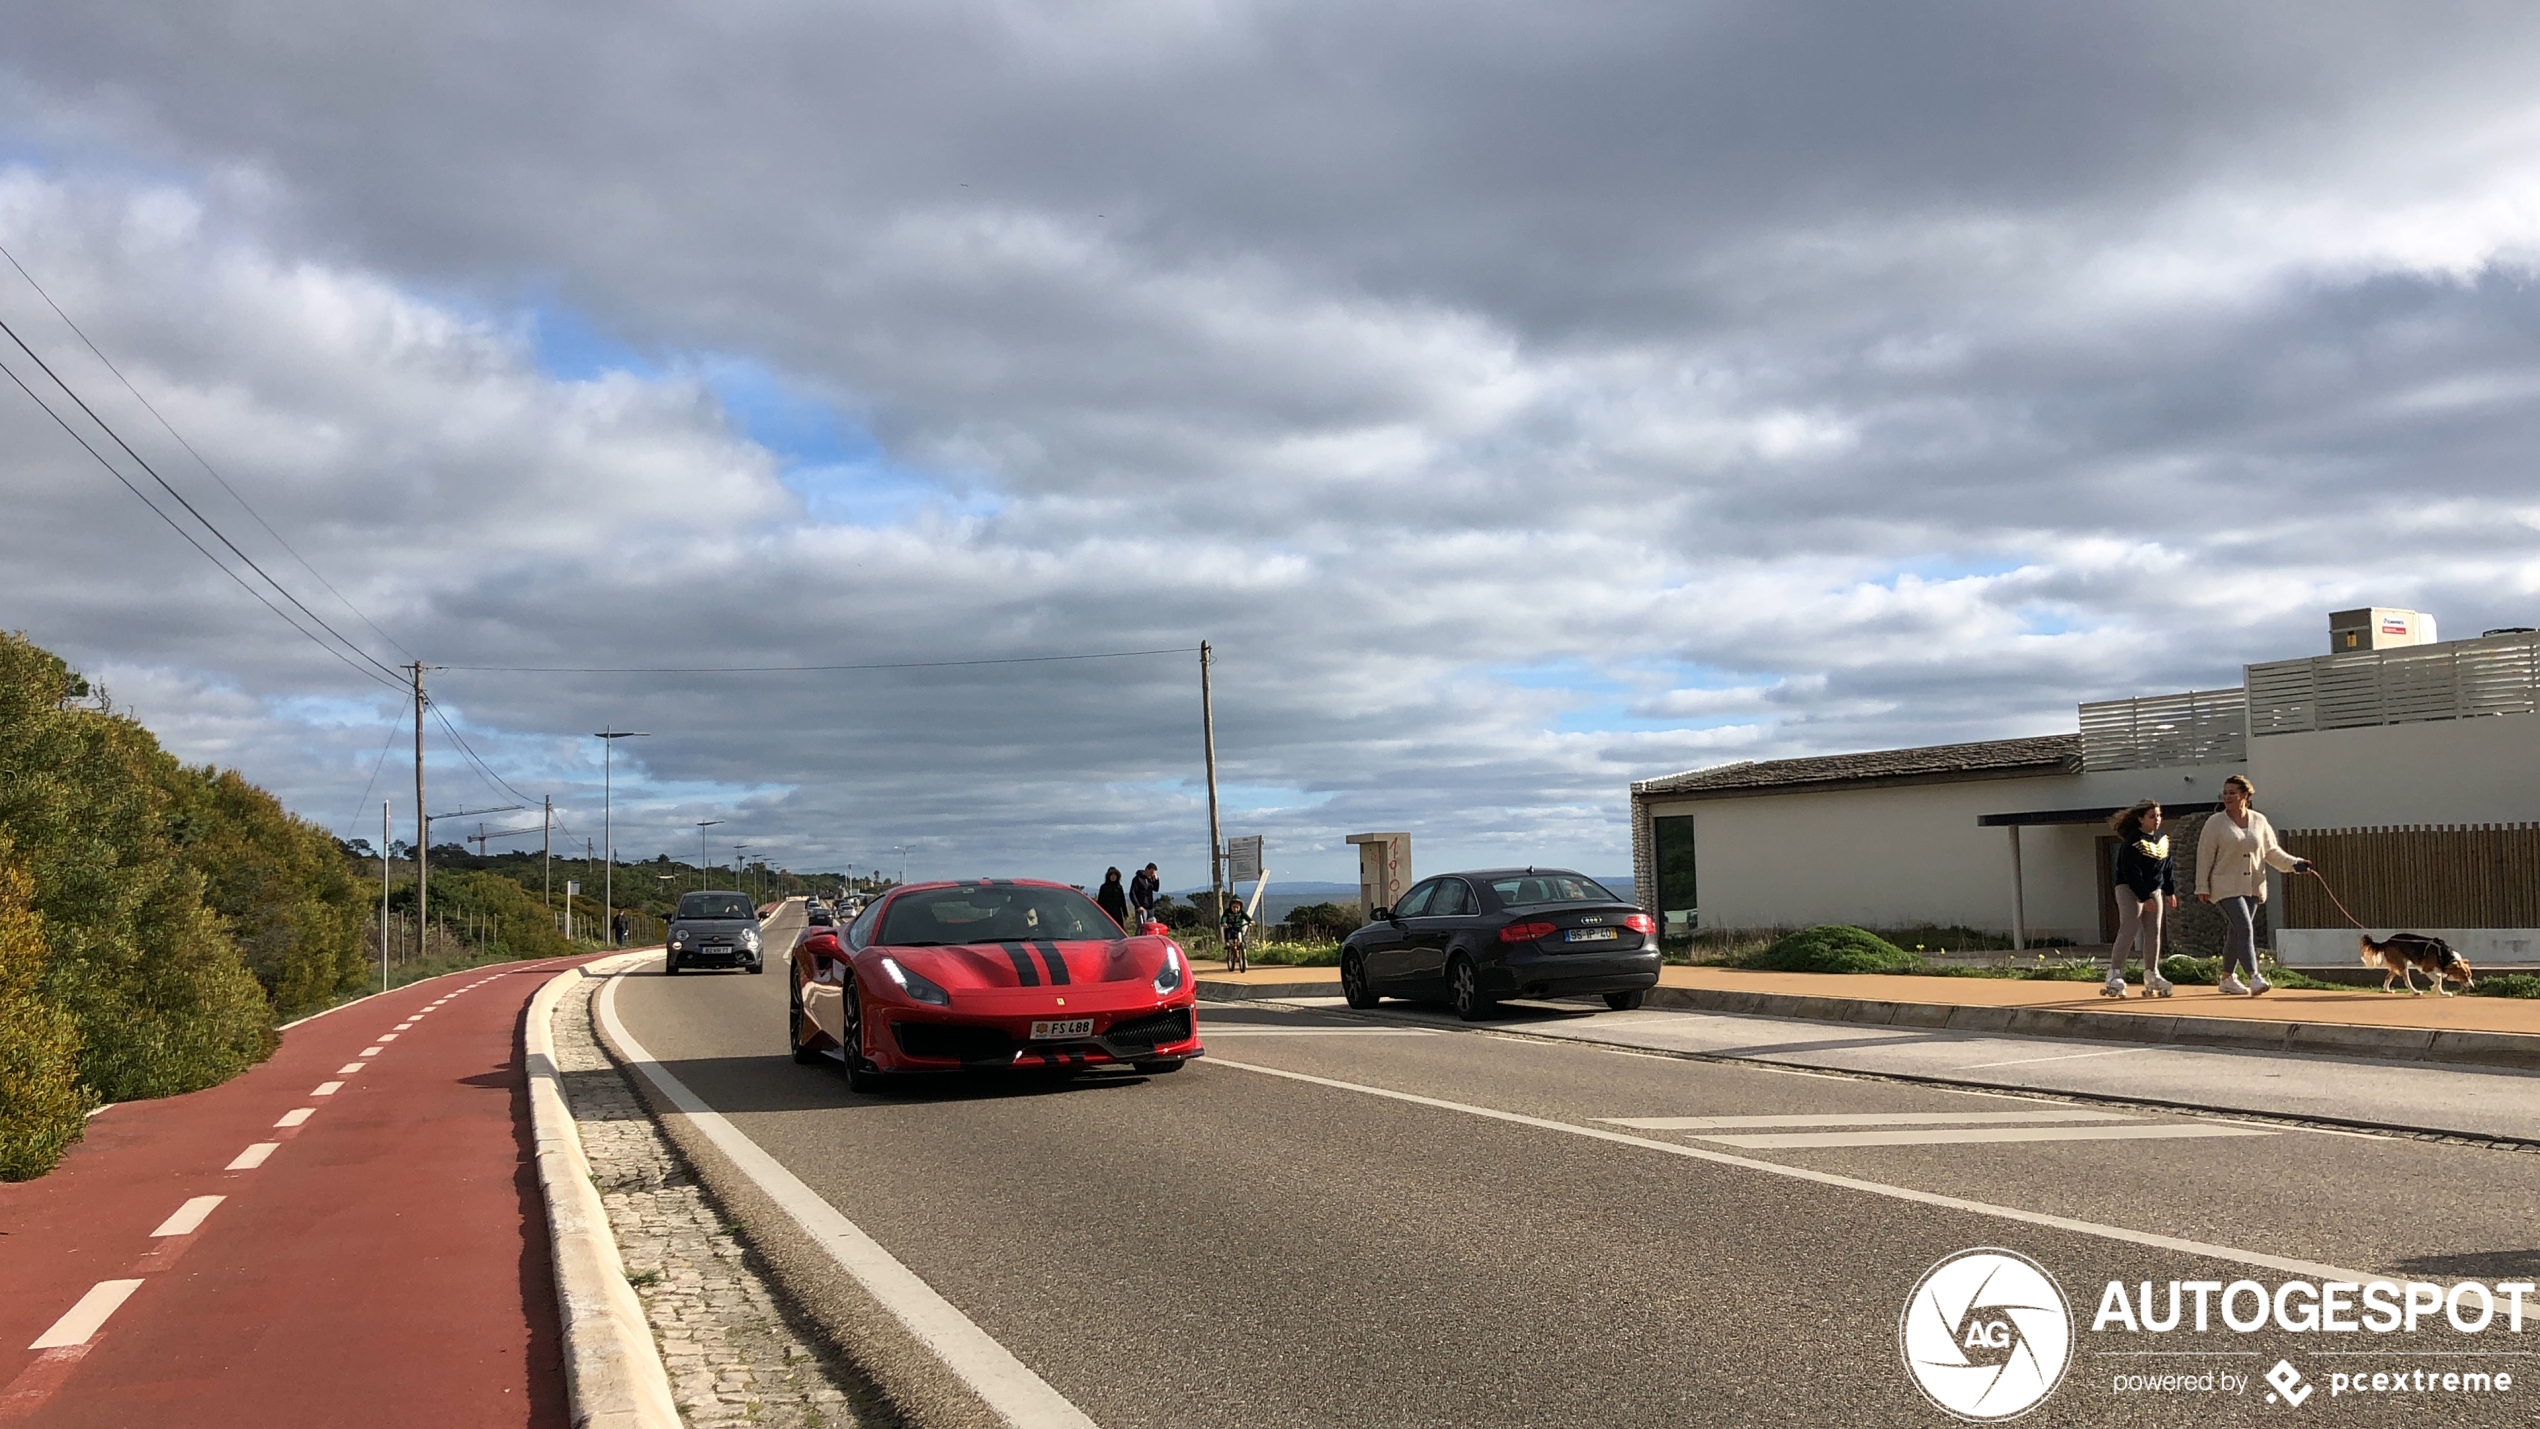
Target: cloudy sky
(1522,399)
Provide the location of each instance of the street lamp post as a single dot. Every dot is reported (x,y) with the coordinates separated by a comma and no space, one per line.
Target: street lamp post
(736,872)
(702,826)
(608,794)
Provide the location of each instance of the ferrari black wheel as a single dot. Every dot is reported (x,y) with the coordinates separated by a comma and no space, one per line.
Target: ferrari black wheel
(803,1056)
(1354,982)
(1464,991)
(862,1075)
(1626,1001)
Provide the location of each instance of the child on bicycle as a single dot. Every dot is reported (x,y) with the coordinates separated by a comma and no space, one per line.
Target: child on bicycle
(1232,923)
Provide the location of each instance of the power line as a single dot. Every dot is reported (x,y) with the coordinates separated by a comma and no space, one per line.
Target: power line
(199,458)
(484,771)
(799,669)
(179,497)
(395,727)
(180,530)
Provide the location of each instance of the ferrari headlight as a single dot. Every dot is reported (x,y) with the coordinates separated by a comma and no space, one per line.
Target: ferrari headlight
(914,985)
(1170,980)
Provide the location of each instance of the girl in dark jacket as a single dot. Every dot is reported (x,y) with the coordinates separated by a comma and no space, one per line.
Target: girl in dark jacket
(2146,887)
(1113,898)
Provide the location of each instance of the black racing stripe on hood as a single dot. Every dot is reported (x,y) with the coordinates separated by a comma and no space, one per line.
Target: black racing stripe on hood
(1024,972)
(1058,964)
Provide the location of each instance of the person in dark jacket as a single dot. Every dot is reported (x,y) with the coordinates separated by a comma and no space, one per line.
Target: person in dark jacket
(1143,888)
(1113,898)
(2146,887)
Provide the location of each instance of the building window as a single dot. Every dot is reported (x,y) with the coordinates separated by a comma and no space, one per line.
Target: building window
(1678,907)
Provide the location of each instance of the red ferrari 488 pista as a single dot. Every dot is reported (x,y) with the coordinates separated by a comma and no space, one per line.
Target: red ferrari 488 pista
(995,973)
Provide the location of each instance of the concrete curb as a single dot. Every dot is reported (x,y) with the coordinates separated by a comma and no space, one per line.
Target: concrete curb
(1263,991)
(2331,1039)
(612,1370)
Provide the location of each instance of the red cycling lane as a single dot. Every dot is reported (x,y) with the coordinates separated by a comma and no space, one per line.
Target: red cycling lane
(381,1260)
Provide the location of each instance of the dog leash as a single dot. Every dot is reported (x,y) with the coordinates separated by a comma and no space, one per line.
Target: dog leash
(2333,898)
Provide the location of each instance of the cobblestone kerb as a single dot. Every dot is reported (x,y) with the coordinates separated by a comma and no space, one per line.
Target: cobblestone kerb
(733,1357)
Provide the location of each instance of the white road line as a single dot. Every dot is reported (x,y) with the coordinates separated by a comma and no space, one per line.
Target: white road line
(1006,1384)
(254,1156)
(387,1036)
(349,1068)
(2059,1057)
(2308,1269)
(409,1022)
(1207,1031)
(373,1051)
(1867,1118)
(188,1217)
(327,1089)
(1966,1135)
(88,1316)
(297,1116)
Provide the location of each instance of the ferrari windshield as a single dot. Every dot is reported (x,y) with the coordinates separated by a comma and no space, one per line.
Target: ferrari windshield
(1527,890)
(714,905)
(993,913)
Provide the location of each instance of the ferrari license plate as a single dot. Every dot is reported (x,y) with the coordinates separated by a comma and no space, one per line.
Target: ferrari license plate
(1593,935)
(1071,1027)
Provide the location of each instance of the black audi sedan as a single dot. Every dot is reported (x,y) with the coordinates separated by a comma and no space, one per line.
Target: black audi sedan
(1474,938)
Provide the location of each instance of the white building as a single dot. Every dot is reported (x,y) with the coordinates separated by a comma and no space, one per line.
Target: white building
(2011,835)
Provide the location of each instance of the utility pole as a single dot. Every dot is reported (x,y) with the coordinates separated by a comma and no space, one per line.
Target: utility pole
(547,854)
(702,826)
(423,824)
(1208,747)
(608,782)
(383,895)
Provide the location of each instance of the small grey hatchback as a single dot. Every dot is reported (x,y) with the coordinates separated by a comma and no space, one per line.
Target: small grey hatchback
(715,928)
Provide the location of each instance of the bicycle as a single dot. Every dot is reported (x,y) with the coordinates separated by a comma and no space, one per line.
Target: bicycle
(1238,945)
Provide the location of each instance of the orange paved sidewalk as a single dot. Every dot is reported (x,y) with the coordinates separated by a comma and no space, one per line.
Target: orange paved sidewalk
(2361,1006)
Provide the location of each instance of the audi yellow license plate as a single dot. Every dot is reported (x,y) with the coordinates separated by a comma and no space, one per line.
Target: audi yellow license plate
(1071,1027)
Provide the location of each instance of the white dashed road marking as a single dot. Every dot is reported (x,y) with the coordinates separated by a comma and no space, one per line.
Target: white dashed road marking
(296,1116)
(387,1036)
(348,1069)
(188,1217)
(1872,1118)
(254,1156)
(373,1051)
(1965,1135)
(327,1089)
(88,1316)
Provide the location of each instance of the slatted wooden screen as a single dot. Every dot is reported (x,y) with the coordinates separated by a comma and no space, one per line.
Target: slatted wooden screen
(2419,876)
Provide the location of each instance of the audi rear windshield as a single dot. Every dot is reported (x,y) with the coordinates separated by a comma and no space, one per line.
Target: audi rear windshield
(1527,890)
(715,905)
(993,913)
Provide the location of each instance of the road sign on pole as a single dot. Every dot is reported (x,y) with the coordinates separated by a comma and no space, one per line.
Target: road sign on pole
(1243,859)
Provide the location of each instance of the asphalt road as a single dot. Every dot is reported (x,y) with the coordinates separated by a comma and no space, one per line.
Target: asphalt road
(1354,1220)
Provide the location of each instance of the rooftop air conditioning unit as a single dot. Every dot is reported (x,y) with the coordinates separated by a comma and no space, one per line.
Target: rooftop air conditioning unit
(2378,627)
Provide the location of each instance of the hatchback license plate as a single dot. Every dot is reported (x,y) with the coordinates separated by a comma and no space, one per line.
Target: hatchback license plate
(1593,935)
(1072,1027)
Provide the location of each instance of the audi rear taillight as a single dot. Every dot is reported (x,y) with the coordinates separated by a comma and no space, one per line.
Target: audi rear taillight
(1526,932)
(1641,923)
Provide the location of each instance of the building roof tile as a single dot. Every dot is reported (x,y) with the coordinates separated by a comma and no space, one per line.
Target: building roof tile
(1931,764)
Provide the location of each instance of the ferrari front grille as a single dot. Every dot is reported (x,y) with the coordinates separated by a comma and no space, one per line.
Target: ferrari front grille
(1160,1030)
(966,1044)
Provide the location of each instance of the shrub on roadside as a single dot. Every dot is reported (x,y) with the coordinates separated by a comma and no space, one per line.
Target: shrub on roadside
(2507,985)
(1832,948)
(41,1105)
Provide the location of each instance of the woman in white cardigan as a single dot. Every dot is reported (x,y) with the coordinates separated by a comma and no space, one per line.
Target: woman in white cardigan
(2233,852)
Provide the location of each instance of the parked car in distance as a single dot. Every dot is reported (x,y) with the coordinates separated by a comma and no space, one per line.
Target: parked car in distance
(714,928)
(1474,938)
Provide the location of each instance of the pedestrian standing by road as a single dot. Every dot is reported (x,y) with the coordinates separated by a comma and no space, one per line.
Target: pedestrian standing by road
(2233,852)
(2145,887)
(1143,887)
(1113,898)
(617,930)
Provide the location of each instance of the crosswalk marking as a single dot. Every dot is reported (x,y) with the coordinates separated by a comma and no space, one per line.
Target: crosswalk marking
(1950,1136)
(1867,1118)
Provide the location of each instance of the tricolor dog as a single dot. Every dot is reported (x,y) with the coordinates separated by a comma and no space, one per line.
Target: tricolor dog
(2401,955)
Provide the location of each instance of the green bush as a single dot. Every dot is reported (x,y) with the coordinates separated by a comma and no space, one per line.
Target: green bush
(298,914)
(133,954)
(1832,948)
(41,1106)
(2507,985)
